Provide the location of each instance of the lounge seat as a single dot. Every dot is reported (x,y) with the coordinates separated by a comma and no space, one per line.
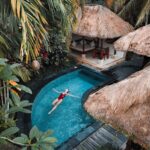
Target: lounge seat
(78,46)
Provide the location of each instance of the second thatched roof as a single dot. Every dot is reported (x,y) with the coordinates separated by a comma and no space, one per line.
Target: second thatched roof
(125,105)
(137,41)
(99,21)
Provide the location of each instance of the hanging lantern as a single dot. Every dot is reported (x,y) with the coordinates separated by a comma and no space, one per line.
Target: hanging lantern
(35,65)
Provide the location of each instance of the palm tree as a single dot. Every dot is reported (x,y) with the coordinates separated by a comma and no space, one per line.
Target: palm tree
(23,30)
(25,24)
(135,11)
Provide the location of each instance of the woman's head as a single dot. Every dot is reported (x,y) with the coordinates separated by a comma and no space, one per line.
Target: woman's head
(66,91)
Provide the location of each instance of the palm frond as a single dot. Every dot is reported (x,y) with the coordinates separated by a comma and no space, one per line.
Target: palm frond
(8,32)
(145,11)
(117,5)
(127,8)
(62,13)
(23,24)
(3,42)
(33,26)
(22,72)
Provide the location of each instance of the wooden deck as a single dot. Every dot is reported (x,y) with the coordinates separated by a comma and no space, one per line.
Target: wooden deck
(96,62)
(102,135)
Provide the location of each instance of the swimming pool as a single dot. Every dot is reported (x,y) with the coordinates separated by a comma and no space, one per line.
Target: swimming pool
(69,117)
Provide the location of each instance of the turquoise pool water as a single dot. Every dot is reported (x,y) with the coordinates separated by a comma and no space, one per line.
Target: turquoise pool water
(69,117)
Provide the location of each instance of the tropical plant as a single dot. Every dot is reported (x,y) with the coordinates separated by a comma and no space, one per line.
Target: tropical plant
(62,13)
(10,104)
(135,11)
(9,91)
(25,24)
(5,124)
(36,140)
(61,20)
(56,56)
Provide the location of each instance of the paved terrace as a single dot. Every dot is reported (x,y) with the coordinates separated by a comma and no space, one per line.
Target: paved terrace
(96,61)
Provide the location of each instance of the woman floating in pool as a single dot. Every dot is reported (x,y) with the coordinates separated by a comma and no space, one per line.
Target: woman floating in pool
(60,98)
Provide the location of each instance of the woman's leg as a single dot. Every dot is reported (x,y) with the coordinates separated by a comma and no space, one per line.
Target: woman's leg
(55,101)
(55,106)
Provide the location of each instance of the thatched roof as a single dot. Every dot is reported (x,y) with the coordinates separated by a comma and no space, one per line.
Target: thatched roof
(125,105)
(99,21)
(137,41)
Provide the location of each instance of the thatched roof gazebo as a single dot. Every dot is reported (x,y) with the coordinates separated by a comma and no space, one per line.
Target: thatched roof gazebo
(97,21)
(137,41)
(125,105)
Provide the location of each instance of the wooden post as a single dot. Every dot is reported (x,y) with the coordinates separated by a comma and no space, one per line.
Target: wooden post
(98,43)
(83,45)
(101,44)
(83,52)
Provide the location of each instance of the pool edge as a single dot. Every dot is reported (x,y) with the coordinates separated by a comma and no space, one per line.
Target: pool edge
(26,119)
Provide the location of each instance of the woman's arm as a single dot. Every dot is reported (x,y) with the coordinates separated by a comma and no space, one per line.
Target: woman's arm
(73,96)
(56,91)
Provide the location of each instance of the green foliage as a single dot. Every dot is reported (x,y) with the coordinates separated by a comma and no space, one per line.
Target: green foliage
(8,132)
(3,61)
(10,72)
(61,14)
(24,88)
(5,123)
(144,13)
(25,24)
(6,73)
(9,33)
(36,140)
(13,104)
(5,70)
(135,11)
(57,55)
(17,105)
(22,72)
(32,23)
(10,103)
